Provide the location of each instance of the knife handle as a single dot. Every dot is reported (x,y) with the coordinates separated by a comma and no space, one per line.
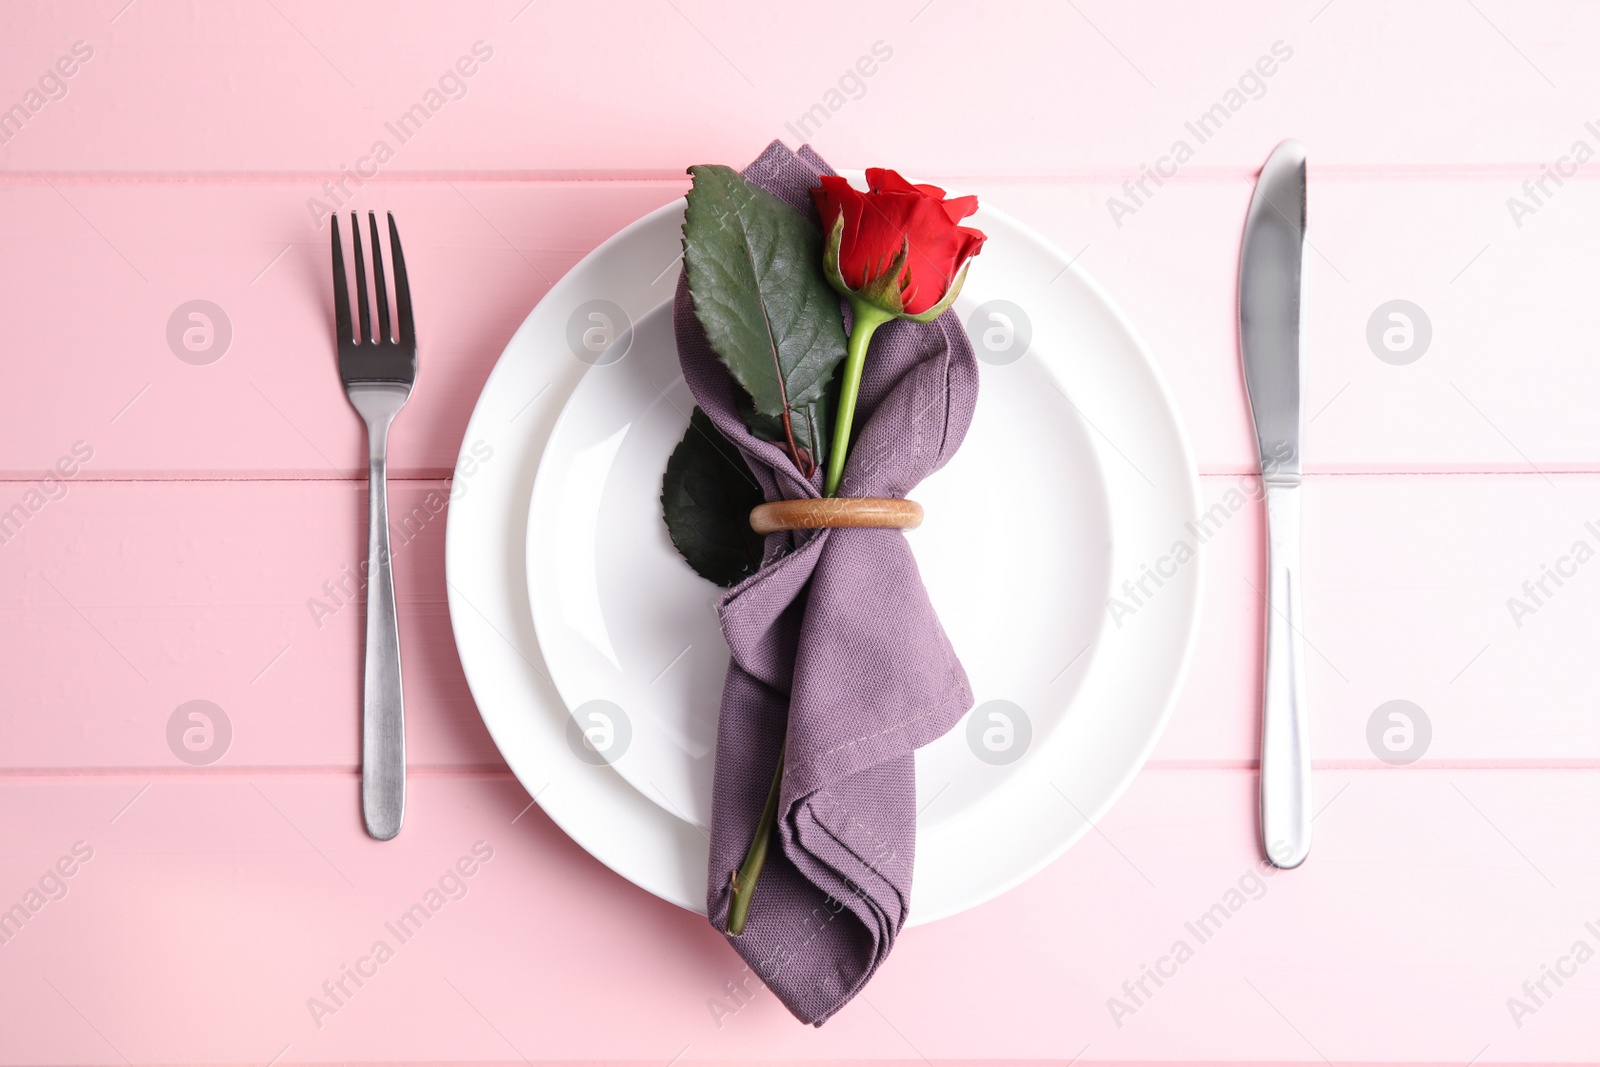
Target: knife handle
(1285,741)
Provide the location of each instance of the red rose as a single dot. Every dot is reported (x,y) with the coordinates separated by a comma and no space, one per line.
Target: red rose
(897,246)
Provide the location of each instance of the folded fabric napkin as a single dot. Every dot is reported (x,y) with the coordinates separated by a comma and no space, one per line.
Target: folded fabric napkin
(837,652)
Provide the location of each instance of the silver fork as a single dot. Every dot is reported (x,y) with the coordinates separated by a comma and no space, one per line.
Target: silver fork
(378,372)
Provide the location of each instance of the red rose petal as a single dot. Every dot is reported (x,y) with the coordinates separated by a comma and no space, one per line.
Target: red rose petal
(895,215)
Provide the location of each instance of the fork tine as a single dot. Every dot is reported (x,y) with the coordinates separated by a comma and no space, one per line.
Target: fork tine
(402,287)
(361,281)
(341,290)
(379,285)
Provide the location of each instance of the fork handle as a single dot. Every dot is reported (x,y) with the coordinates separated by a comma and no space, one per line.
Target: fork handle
(1285,743)
(383,735)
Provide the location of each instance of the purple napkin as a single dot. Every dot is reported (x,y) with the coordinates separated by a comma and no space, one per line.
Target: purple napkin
(837,649)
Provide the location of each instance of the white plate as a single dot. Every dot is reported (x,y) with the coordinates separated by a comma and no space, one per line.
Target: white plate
(1050,504)
(624,621)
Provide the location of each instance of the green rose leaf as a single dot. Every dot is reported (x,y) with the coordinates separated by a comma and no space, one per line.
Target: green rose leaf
(809,424)
(756,284)
(706,497)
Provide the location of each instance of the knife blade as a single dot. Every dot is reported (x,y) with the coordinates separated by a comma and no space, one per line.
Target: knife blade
(1269,344)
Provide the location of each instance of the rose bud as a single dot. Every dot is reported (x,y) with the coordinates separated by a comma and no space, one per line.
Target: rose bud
(896,251)
(897,247)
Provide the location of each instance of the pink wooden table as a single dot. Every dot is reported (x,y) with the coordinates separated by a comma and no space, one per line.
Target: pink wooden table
(169,151)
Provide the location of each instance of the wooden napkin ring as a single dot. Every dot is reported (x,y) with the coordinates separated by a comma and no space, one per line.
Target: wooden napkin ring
(838,511)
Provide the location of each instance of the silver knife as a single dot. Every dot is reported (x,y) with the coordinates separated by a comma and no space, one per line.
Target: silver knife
(1269,342)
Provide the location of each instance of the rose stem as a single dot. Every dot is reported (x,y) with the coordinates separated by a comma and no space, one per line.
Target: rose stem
(867,319)
(744,879)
